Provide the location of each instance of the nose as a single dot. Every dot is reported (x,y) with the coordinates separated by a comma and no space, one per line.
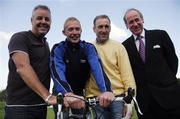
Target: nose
(43,20)
(104,29)
(135,23)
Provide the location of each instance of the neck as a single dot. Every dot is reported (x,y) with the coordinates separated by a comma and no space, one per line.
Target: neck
(100,41)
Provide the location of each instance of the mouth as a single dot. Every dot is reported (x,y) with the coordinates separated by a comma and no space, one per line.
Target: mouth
(43,26)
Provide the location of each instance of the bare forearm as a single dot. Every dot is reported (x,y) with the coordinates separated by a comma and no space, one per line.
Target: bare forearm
(30,78)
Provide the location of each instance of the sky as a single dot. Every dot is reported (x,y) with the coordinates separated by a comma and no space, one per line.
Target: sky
(15,16)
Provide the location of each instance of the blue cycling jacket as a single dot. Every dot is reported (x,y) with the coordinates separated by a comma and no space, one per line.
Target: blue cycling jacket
(71,65)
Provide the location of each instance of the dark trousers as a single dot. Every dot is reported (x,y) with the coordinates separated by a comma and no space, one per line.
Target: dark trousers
(155,111)
(33,112)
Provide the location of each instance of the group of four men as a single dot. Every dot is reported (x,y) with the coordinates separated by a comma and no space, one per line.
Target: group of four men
(102,69)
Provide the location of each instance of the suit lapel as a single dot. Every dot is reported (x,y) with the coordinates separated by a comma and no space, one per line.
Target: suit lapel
(134,49)
(148,44)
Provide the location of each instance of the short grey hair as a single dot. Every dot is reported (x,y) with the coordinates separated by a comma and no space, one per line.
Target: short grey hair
(70,19)
(132,9)
(44,7)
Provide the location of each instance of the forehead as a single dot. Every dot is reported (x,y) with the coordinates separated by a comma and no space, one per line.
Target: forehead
(73,23)
(132,15)
(41,12)
(102,21)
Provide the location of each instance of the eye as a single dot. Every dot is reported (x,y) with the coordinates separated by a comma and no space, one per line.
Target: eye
(39,18)
(106,26)
(77,29)
(100,27)
(70,29)
(47,19)
(137,20)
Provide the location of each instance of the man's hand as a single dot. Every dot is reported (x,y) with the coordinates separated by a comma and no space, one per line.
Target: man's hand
(105,98)
(52,100)
(74,101)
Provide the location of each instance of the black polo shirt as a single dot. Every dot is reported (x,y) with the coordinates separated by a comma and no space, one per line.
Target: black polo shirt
(18,93)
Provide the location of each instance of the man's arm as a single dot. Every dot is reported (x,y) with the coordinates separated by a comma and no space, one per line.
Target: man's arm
(100,77)
(58,69)
(125,69)
(169,51)
(25,70)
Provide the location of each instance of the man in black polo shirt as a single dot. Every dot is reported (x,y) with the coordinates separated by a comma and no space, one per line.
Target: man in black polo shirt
(29,77)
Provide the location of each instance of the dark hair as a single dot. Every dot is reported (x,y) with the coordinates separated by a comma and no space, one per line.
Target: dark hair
(132,9)
(99,17)
(41,7)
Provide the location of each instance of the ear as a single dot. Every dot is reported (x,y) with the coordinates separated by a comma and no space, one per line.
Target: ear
(31,20)
(127,26)
(63,32)
(94,29)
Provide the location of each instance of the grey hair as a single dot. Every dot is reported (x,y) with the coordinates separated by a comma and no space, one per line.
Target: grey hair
(132,9)
(70,19)
(41,7)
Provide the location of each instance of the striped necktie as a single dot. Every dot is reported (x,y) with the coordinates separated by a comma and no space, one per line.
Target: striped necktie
(141,48)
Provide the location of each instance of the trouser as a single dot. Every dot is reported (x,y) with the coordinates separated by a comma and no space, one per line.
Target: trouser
(30,112)
(113,111)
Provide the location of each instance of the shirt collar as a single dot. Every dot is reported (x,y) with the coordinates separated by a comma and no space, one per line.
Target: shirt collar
(142,34)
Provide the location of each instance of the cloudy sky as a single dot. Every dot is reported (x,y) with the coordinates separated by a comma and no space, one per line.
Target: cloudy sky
(15,16)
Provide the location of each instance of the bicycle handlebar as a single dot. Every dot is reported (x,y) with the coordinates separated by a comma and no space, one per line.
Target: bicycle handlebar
(92,101)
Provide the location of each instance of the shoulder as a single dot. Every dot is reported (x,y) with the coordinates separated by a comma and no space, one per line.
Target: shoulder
(19,38)
(58,46)
(114,43)
(128,39)
(85,44)
(156,31)
(19,35)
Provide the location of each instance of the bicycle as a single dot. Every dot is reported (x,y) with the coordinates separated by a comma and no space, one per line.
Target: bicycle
(89,112)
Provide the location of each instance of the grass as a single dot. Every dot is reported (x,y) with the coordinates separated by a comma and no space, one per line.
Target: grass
(2,104)
(50,113)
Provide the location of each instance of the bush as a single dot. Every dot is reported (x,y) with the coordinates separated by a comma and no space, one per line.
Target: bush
(2,95)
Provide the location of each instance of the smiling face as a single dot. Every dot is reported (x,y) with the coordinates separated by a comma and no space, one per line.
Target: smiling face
(41,21)
(72,29)
(134,22)
(102,29)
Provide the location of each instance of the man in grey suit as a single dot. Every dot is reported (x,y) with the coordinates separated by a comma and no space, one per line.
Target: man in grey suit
(158,91)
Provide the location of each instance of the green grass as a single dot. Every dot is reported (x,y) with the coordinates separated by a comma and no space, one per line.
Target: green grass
(50,113)
(134,116)
(2,104)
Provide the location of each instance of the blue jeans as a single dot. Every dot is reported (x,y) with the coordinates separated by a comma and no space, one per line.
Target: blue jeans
(33,112)
(113,111)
